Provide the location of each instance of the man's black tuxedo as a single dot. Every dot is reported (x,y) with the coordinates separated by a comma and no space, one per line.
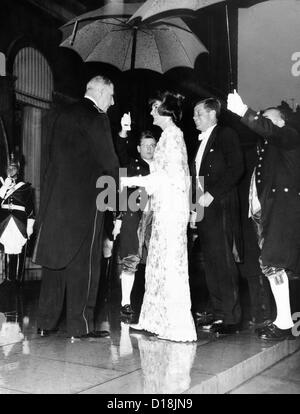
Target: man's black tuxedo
(219,231)
(69,225)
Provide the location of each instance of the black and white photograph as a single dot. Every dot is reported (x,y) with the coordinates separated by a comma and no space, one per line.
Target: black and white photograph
(149,200)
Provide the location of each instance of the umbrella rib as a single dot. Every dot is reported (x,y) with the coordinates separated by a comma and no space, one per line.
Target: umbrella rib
(160,59)
(182,45)
(126,54)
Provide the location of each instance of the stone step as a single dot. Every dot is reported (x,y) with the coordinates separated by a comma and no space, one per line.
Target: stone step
(227,363)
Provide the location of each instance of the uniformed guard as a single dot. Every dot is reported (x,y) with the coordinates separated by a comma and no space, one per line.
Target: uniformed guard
(16,220)
(134,224)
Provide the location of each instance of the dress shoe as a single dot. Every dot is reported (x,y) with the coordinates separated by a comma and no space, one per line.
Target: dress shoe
(126,310)
(46,332)
(225,329)
(209,326)
(272,333)
(259,325)
(203,318)
(136,327)
(96,334)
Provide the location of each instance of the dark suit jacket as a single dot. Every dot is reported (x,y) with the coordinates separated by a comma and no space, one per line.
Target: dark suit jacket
(222,167)
(278,187)
(81,151)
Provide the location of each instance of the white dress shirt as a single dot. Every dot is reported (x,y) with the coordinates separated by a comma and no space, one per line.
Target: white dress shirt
(203,137)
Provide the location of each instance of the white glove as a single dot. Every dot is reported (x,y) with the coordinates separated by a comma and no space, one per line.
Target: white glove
(117,228)
(7,184)
(205,199)
(126,122)
(127,182)
(107,248)
(235,104)
(29,230)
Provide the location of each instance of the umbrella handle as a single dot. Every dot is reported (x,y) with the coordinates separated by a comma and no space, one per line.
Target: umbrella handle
(231,86)
(133,51)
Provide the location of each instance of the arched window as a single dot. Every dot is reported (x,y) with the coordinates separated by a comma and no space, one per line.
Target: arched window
(34,79)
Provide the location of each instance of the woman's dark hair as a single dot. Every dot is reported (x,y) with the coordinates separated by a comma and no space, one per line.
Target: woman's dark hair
(171,105)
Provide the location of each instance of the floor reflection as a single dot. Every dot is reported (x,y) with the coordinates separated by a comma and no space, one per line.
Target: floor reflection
(166,365)
(11,333)
(122,363)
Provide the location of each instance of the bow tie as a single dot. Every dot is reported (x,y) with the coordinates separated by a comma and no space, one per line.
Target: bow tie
(201,136)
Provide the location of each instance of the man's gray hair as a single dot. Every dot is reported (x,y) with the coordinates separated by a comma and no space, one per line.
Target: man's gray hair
(97,81)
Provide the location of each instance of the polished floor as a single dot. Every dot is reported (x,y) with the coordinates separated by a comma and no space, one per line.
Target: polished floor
(126,363)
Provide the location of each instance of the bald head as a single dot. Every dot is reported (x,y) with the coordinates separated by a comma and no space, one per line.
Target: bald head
(276,116)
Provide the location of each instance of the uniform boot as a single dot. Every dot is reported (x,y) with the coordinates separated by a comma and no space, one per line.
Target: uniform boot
(14,267)
(10,267)
(21,267)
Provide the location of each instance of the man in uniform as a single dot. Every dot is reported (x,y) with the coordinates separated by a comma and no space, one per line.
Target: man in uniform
(134,224)
(274,205)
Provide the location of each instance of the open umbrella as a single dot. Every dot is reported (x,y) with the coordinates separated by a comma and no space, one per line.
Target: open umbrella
(159,8)
(106,35)
(154,9)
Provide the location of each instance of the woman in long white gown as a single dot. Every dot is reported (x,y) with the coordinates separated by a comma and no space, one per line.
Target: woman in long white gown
(166,308)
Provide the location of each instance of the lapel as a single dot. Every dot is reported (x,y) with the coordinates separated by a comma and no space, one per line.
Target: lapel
(210,142)
(196,152)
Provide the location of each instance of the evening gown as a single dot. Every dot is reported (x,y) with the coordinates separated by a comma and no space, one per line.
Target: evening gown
(166,308)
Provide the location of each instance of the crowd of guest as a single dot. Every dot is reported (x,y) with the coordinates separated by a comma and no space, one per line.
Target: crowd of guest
(242,205)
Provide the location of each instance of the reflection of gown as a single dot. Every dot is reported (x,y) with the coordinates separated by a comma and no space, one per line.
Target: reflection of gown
(166,308)
(10,333)
(166,365)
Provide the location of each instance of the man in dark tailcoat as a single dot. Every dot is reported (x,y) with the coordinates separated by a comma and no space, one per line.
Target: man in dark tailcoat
(216,170)
(274,205)
(70,226)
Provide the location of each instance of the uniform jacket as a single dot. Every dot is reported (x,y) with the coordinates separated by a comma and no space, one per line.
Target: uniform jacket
(23,197)
(136,166)
(277,178)
(222,167)
(81,151)
(129,244)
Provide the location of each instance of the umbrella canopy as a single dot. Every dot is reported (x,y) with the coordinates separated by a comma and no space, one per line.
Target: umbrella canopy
(101,36)
(113,10)
(160,8)
(154,8)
